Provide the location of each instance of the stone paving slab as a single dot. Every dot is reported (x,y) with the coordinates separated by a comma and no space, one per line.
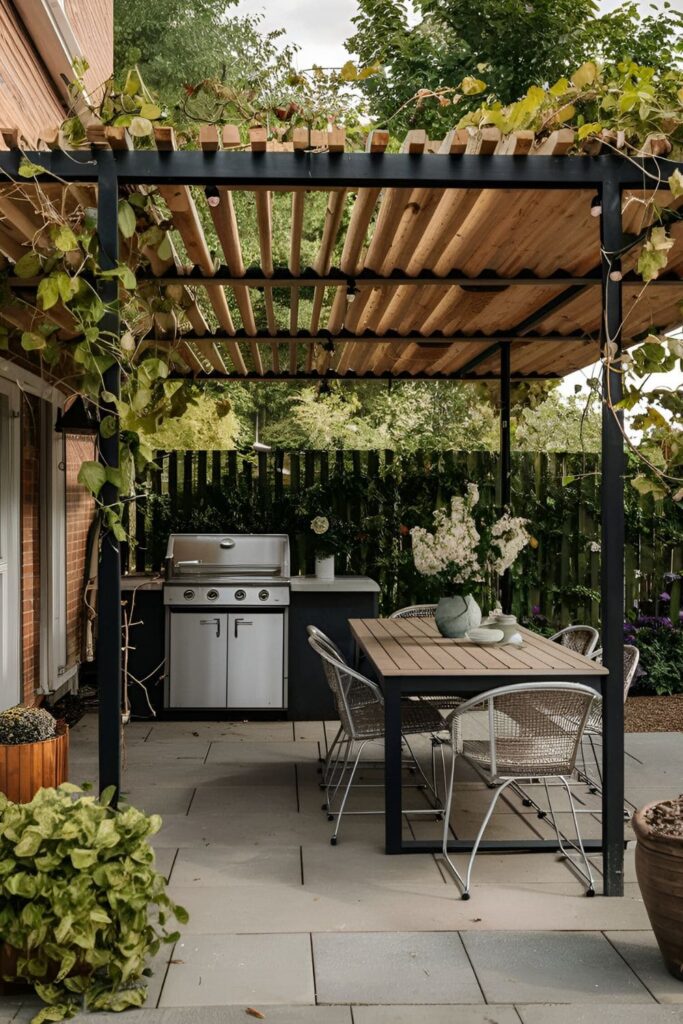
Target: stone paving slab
(366,864)
(231,801)
(238,865)
(259,732)
(556,967)
(451,1014)
(641,952)
(585,1014)
(226,1015)
(223,970)
(225,752)
(396,967)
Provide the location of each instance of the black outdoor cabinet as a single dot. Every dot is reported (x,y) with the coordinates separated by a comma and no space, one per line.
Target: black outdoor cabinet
(329,606)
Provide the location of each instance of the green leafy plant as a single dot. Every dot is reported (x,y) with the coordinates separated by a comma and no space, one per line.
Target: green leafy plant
(81,902)
(26,725)
(661,654)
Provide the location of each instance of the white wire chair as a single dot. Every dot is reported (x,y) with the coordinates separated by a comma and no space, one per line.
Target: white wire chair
(361,723)
(534,732)
(427,611)
(357,695)
(582,639)
(594,724)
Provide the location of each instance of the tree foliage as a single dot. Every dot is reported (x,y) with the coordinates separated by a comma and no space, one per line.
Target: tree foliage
(510,43)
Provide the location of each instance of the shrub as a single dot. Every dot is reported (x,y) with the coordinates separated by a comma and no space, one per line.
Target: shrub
(661,654)
(77,884)
(26,725)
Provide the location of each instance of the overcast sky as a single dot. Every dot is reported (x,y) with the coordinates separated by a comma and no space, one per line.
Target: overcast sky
(321,26)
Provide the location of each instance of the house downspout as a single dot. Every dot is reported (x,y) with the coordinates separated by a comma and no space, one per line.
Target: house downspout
(48,26)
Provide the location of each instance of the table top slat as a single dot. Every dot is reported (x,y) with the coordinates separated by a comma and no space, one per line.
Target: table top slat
(414,647)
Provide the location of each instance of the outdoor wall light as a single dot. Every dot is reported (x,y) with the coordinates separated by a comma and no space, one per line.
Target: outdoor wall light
(213,196)
(77,418)
(596,206)
(328,346)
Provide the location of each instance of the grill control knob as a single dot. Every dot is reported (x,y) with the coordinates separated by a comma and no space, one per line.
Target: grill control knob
(211,595)
(263,595)
(240,595)
(188,594)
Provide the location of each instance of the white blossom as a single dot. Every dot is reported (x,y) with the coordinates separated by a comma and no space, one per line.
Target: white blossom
(320,525)
(453,552)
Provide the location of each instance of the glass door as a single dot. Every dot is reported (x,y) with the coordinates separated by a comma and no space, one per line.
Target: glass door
(10,610)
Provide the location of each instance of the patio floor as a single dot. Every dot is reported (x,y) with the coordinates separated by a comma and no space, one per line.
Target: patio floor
(284,923)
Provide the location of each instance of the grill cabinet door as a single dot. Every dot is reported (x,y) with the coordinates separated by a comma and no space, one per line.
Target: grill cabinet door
(255,660)
(199,659)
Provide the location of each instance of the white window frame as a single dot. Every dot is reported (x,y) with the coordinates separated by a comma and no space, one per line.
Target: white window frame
(10,563)
(54,672)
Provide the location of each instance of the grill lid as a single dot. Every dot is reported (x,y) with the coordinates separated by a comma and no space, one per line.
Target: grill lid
(221,556)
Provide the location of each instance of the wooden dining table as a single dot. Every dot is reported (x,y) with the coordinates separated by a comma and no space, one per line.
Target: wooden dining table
(409,658)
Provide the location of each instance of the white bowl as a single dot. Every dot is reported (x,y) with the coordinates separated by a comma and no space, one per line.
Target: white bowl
(485,636)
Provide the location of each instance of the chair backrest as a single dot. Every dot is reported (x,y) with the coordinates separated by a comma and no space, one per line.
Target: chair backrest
(631,659)
(582,639)
(325,641)
(340,678)
(415,611)
(533,728)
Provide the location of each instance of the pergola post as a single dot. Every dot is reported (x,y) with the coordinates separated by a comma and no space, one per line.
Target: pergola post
(612,542)
(504,464)
(109,568)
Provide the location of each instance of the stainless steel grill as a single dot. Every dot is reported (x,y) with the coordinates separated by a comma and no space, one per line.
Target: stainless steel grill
(226,598)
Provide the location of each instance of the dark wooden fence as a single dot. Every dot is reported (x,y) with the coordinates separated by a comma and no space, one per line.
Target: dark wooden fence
(380,495)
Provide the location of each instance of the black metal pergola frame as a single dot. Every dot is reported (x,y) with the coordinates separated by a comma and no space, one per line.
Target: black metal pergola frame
(607,174)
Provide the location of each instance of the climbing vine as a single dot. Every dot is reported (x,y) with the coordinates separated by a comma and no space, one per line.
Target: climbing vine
(629,110)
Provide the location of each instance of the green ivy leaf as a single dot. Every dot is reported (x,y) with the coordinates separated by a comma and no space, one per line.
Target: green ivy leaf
(127,219)
(28,265)
(31,341)
(93,476)
(471,86)
(27,169)
(63,237)
(48,292)
(164,250)
(141,127)
(151,111)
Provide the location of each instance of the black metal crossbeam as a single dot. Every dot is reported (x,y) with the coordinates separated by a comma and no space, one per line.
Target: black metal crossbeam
(300,170)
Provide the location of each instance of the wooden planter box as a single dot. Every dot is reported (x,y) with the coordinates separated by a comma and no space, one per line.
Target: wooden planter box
(27,767)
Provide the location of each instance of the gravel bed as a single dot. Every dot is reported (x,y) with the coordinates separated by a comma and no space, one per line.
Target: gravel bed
(654,714)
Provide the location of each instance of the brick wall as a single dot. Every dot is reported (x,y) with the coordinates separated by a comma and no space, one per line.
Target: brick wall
(30,546)
(79,512)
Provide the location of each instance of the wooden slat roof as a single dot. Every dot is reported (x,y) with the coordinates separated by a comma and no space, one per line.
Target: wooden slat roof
(402,281)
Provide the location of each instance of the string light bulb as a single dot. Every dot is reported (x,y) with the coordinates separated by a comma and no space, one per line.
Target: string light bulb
(351,290)
(213,196)
(596,206)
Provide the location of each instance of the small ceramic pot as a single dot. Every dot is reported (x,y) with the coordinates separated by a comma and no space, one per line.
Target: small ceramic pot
(324,567)
(509,625)
(455,615)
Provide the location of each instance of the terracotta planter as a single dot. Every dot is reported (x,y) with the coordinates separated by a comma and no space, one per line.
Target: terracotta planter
(27,767)
(659,867)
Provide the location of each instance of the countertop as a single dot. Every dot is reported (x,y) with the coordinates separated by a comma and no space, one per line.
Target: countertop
(348,584)
(299,584)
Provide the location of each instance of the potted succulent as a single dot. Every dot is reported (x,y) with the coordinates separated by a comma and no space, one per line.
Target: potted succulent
(34,752)
(463,549)
(659,868)
(82,906)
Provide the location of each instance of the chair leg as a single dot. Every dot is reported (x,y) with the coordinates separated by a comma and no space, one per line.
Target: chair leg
(339,813)
(342,770)
(464,883)
(578,846)
(329,751)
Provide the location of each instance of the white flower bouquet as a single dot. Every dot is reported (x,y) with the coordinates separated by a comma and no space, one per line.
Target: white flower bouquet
(464,549)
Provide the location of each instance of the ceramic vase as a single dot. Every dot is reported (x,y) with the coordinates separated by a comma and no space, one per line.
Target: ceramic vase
(455,615)
(324,567)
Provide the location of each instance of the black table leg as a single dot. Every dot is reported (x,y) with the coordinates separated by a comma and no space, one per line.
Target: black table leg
(392,769)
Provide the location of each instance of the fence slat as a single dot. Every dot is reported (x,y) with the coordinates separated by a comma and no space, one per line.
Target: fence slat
(382,495)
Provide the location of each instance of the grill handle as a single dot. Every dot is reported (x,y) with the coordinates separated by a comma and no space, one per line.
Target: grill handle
(212,622)
(242,622)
